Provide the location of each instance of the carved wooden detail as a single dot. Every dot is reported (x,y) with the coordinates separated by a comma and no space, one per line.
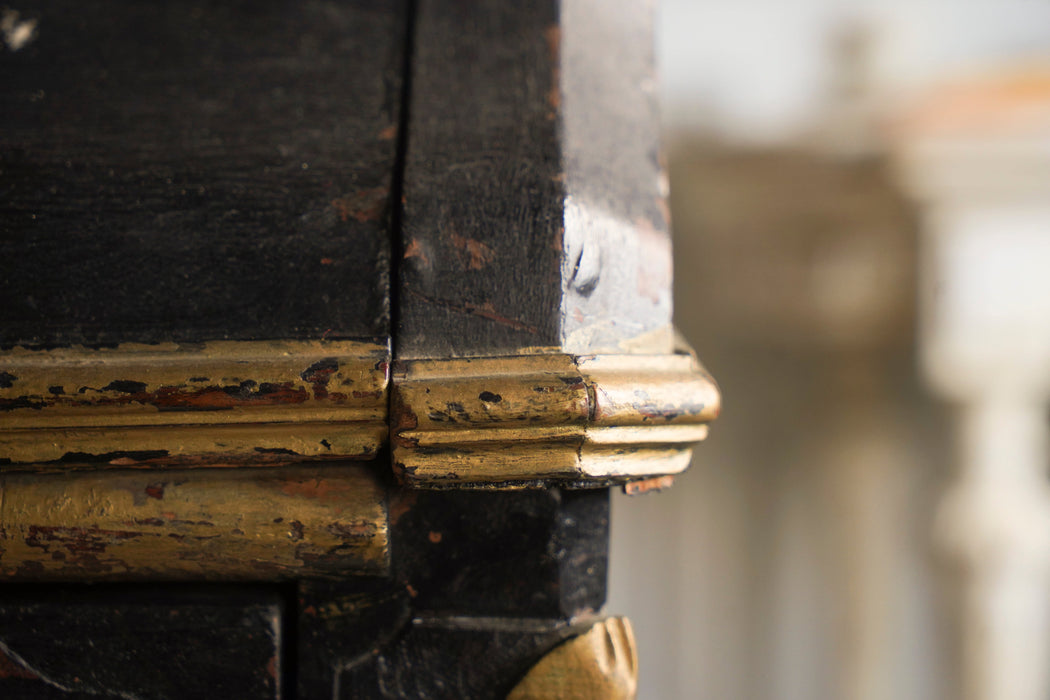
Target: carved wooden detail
(600,664)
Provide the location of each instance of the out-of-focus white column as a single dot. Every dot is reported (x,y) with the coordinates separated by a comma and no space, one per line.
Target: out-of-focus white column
(978,158)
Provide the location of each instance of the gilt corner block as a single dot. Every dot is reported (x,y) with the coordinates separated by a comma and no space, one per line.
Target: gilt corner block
(554,418)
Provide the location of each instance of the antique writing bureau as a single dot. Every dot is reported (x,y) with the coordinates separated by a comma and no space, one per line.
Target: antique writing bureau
(326,327)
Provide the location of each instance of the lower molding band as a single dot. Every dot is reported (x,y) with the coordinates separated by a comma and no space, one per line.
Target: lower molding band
(198,524)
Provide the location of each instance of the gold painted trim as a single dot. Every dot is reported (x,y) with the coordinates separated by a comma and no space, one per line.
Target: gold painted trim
(518,420)
(600,664)
(197,524)
(216,403)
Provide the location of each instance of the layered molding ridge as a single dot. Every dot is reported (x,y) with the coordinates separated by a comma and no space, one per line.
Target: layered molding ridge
(516,421)
(212,404)
(513,421)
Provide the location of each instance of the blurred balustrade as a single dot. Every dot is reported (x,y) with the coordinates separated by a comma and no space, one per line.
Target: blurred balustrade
(976,155)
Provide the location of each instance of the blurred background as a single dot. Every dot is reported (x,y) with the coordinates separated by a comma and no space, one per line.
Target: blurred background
(861,202)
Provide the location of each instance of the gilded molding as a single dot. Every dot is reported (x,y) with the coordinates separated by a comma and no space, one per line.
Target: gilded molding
(217,403)
(195,524)
(485,422)
(513,421)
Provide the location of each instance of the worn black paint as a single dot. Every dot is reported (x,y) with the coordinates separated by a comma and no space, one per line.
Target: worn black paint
(534,212)
(160,643)
(340,623)
(523,553)
(366,640)
(125,386)
(481,233)
(443,659)
(484,584)
(617,272)
(193,171)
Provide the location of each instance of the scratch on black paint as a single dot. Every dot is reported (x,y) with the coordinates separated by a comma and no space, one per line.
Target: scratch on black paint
(485,311)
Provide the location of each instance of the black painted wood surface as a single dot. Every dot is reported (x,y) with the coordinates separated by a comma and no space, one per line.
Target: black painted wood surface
(534,199)
(484,583)
(529,553)
(191,170)
(481,229)
(453,659)
(155,643)
(362,640)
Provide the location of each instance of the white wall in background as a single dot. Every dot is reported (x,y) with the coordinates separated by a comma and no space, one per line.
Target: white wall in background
(759,71)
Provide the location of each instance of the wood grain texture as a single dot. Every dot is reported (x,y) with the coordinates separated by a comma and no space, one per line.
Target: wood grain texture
(189,171)
(229,524)
(533,207)
(481,228)
(156,643)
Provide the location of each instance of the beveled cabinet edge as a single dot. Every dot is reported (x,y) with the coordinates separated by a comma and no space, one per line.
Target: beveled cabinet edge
(222,403)
(519,421)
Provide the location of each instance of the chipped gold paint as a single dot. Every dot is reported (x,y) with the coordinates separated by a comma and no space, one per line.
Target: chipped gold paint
(600,664)
(513,420)
(227,402)
(201,524)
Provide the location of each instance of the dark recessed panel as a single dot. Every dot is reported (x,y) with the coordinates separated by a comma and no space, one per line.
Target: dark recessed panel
(157,643)
(528,553)
(197,170)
